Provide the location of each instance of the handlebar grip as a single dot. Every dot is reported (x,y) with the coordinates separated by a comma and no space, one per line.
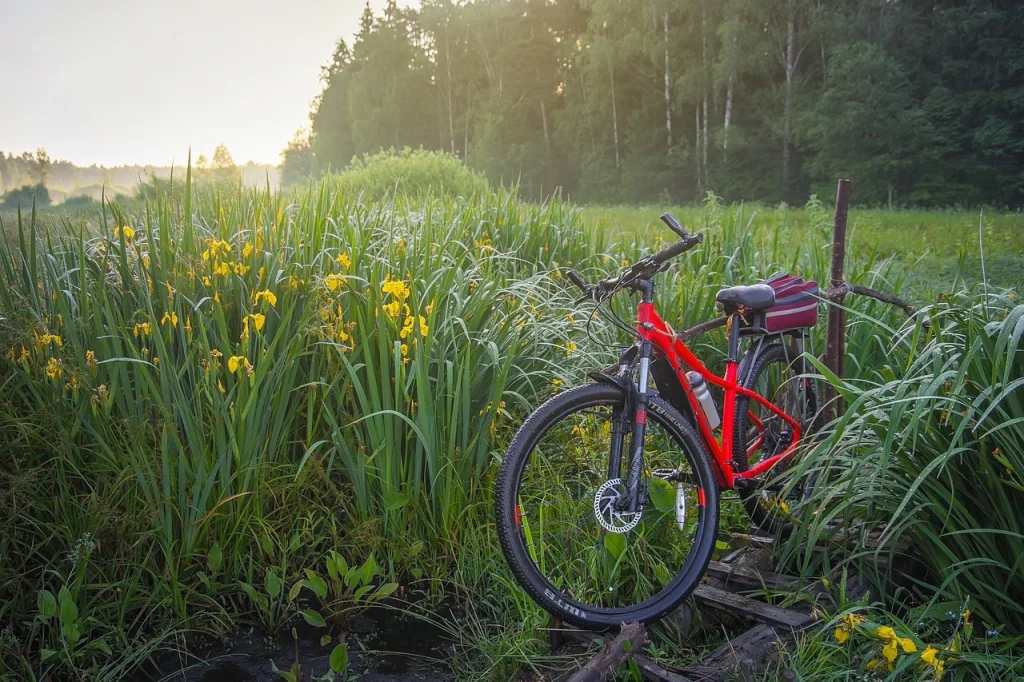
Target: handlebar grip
(675,226)
(678,248)
(575,278)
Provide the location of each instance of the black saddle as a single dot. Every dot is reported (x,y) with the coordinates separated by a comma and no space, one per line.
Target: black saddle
(754,297)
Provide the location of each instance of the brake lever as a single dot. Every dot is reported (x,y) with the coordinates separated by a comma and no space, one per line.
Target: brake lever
(675,226)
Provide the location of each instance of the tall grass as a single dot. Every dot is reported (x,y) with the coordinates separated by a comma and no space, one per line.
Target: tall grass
(929,461)
(220,385)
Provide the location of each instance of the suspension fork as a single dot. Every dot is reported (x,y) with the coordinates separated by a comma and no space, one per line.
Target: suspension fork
(636,464)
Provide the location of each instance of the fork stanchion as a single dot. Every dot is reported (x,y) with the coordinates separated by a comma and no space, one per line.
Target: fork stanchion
(835,348)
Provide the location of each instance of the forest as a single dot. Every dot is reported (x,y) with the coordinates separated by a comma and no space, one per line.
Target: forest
(922,103)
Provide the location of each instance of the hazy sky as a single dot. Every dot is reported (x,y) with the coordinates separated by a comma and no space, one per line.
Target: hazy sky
(139,81)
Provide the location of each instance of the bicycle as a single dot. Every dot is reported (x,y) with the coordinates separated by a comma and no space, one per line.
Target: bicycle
(607,499)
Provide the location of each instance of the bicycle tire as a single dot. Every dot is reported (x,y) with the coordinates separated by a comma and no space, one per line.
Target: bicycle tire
(511,536)
(752,366)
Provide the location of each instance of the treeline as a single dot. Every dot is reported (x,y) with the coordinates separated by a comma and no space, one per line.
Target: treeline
(921,102)
(64,179)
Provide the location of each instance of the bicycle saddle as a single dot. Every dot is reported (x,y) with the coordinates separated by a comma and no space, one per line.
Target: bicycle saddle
(755,296)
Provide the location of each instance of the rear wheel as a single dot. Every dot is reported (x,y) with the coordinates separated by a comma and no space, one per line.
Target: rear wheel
(575,552)
(758,434)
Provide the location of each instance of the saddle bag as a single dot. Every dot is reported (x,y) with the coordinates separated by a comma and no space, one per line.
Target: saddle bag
(796,305)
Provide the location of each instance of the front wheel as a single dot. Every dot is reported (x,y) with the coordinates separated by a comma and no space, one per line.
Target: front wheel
(573,546)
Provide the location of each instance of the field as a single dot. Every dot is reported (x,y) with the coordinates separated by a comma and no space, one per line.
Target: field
(209,396)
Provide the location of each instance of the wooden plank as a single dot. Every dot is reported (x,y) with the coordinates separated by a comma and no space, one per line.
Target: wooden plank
(656,672)
(739,577)
(745,607)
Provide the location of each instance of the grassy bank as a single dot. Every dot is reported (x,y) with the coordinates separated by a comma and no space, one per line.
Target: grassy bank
(206,395)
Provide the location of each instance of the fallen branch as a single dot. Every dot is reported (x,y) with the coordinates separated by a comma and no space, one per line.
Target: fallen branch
(604,666)
(832,294)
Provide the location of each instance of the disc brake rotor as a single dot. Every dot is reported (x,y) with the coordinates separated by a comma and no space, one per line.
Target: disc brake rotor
(610,518)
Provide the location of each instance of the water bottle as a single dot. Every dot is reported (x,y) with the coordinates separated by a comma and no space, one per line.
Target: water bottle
(703,396)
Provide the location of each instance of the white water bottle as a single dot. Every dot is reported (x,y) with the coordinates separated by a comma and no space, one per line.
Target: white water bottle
(703,396)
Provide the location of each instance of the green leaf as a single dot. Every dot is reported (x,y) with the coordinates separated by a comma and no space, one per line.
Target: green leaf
(215,558)
(396,500)
(663,494)
(68,609)
(47,604)
(273,583)
(46,654)
(314,618)
(316,583)
(361,591)
(663,575)
(339,658)
(615,543)
(384,591)
(325,640)
(70,632)
(296,588)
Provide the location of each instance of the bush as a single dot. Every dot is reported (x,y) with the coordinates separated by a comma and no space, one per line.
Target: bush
(416,173)
(27,196)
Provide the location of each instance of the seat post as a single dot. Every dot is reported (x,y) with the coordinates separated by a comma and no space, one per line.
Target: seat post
(734,339)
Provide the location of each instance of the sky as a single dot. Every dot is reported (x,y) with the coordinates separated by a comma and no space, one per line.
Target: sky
(117,82)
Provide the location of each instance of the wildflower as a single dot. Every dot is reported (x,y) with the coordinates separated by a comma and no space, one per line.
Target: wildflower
(396,288)
(890,651)
(188,326)
(624,263)
(557,382)
(100,394)
(430,307)
(570,348)
(392,308)
(966,615)
(25,355)
(125,231)
(237,362)
(206,281)
(267,296)
(258,321)
(220,269)
(156,361)
(247,250)
(44,340)
(400,246)
(294,283)
(885,633)
(570,319)
(872,664)
(54,368)
(907,645)
(841,634)
(241,269)
(405,349)
(220,387)
(214,248)
(334,281)
(472,285)
(170,317)
(142,329)
(343,260)
(578,431)
(90,359)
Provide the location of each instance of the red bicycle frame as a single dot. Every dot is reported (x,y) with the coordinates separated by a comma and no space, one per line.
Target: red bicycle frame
(650,327)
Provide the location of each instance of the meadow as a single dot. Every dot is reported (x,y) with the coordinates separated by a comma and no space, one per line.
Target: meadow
(211,397)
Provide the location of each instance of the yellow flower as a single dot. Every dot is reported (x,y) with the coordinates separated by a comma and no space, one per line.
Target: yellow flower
(430,307)
(54,368)
(44,340)
(90,358)
(557,382)
(172,318)
(220,386)
(237,362)
(267,296)
(343,260)
(241,269)
(850,619)
(396,288)
(206,281)
(885,632)
(930,655)
(294,283)
(142,329)
(872,664)
(392,308)
(890,651)
(335,281)
(216,353)
(907,645)
(247,250)
(188,326)
(405,349)
(966,615)
(783,506)
(570,348)
(841,634)
(259,320)
(578,431)
(129,233)
(220,269)
(25,356)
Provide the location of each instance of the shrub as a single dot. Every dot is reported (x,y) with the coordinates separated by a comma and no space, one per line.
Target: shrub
(26,197)
(416,173)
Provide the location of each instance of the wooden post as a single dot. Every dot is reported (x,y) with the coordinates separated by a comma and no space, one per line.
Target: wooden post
(835,349)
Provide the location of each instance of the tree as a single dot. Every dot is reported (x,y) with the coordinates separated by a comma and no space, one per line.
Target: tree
(26,197)
(43,165)
(297,159)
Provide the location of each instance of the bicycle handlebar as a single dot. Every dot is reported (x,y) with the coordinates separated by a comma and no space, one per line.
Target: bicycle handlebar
(643,268)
